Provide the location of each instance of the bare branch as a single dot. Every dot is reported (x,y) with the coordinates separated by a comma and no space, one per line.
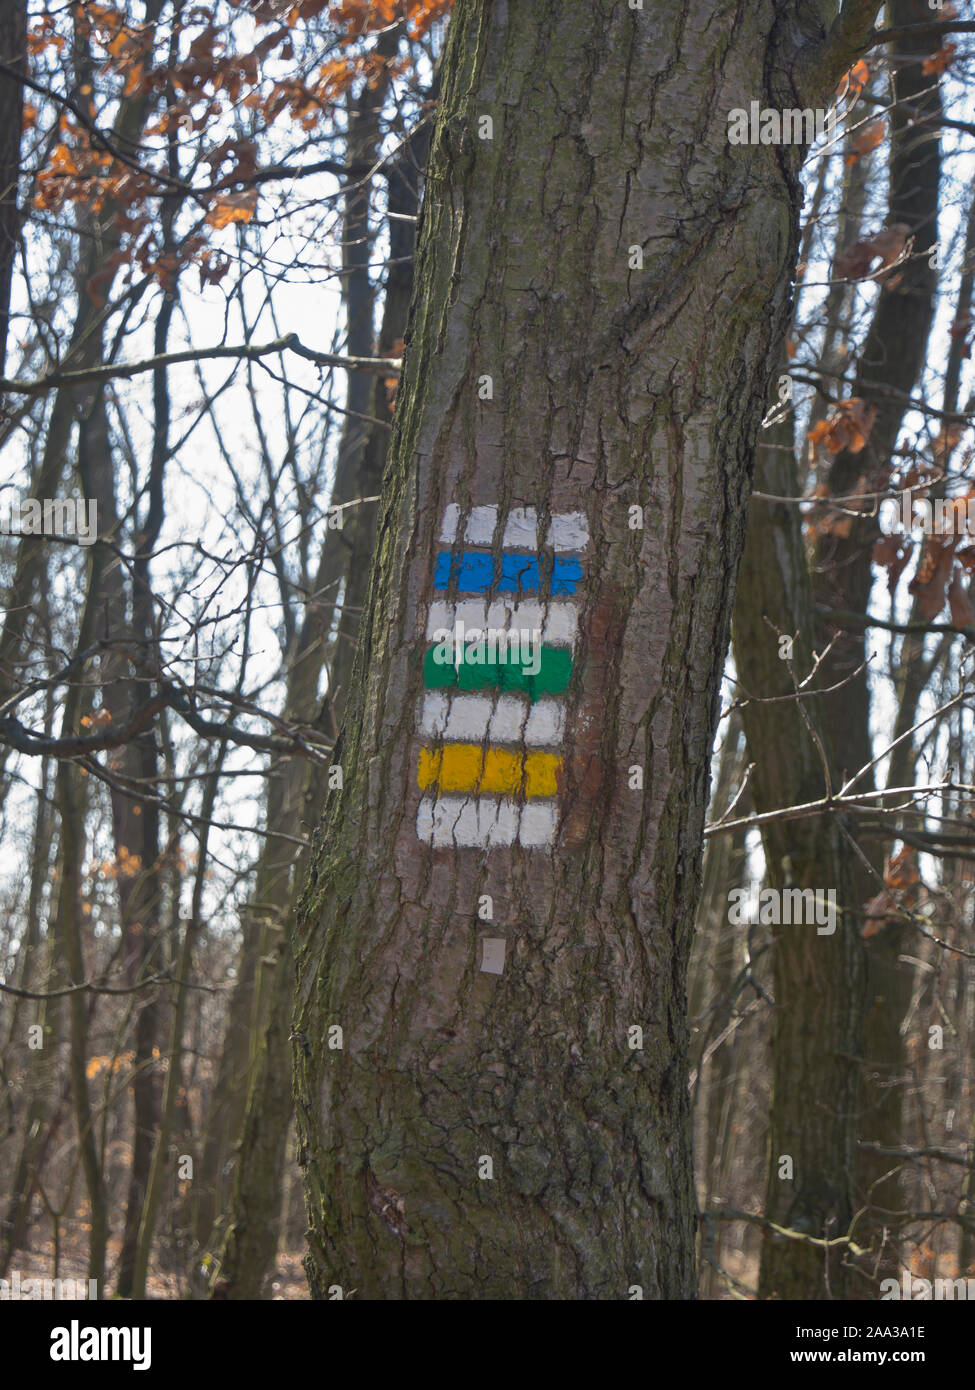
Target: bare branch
(843,615)
(89,988)
(934,28)
(382,366)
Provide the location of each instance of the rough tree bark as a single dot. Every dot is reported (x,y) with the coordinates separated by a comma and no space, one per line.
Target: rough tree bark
(615,383)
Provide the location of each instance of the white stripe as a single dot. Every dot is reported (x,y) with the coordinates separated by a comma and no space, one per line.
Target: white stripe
(567,530)
(557,621)
(520,529)
(457,715)
(538,822)
(448,527)
(459,822)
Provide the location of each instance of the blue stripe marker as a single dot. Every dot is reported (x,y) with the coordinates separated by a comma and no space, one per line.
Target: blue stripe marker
(473,571)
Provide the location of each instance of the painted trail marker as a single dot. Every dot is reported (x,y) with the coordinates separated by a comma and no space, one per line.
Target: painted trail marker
(492,954)
(500,636)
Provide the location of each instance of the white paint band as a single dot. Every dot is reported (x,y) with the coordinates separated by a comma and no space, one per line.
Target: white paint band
(457,716)
(480,822)
(557,621)
(567,530)
(492,954)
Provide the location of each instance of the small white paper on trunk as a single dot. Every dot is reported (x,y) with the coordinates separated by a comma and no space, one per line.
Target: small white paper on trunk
(492,956)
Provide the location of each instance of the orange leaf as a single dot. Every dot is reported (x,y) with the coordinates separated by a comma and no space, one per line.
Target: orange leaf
(931,581)
(213,268)
(134,79)
(425,15)
(859,418)
(893,553)
(848,428)
(233,207)
(63,160)
(856,79)
(941,61)
(95,721)
(902,879)
(868,139)
(902,872)
(961,328)
(856,261)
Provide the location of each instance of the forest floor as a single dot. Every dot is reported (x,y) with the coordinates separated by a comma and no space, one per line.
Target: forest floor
(37,1262)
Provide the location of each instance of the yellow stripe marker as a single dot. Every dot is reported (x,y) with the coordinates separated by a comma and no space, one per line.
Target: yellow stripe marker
(465,767)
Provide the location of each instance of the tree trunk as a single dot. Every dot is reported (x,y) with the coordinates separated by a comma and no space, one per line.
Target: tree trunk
(71,799)
(715,1001)
(158,1173)
(13,51)
(818,975)
(484,1134)
(893,358)
(140,898)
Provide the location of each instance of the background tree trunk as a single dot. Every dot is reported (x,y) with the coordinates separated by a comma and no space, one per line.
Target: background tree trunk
(892,360)
(250,1244)
(818,978)
(13,51)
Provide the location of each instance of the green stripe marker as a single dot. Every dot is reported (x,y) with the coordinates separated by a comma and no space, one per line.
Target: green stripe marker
(552,678)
